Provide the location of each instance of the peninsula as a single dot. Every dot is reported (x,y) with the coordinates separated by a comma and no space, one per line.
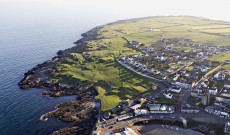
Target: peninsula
(173,62)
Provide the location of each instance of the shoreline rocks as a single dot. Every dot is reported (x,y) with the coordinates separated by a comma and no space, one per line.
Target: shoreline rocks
(82,113)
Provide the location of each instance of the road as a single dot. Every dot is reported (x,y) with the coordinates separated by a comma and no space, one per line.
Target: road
(158,129)
(153,78)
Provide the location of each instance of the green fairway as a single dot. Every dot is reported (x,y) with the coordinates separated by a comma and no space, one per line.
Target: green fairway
(107,101)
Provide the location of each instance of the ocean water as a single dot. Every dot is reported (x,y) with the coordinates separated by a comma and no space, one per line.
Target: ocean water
(22,47)
(31,33)
(27,39)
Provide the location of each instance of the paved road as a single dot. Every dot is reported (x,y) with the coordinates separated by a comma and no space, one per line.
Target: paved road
(153,78)
(158,129)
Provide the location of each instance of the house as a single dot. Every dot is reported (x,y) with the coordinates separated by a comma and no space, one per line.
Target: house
(219,76)
(204,69)
(174,67)
(168,48)
(154,86)
(227,128)
(162,58)
(218,109)
(161,108)
(213,91)
(189,109)
(200,54)
(177,56)
(128,102)
(205,99)
(175,89)
(181,63)
(169,95)
(204,84)
(154,107)
(210,109)
(224,114)
(150,29)
(186,51)
(184,58)
(224,95)
(156,72)
(162,73)
(183,85)
(108,123)
(135,107)
(124,117)
(169,70)
(141,112)
(194,93)
(226,86)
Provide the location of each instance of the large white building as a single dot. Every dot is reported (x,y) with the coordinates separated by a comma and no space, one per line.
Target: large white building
(175,89)
(161,108)
(213,91)
(124,117)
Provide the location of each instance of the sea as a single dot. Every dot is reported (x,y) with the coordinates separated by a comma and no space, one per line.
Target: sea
(31,33)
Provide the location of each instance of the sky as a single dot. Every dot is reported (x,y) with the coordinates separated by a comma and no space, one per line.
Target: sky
(113,9)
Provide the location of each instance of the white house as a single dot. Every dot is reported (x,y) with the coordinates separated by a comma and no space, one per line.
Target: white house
(189,109)
(141,112)
(163,58)
(204,69)
(136,107)
(150,29)
(183,85)
(224,114)
(124,117)
(169,95)
(219,76)
(227,86)
(213,91)
(175,89)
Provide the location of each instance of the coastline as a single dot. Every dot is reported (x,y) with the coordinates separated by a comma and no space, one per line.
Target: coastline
(35,78)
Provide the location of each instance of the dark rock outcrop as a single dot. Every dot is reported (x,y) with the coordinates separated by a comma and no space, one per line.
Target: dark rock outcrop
(83,113)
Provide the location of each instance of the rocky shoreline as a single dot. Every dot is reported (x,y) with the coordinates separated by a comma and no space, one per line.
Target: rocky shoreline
(83,111)
(38,76)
